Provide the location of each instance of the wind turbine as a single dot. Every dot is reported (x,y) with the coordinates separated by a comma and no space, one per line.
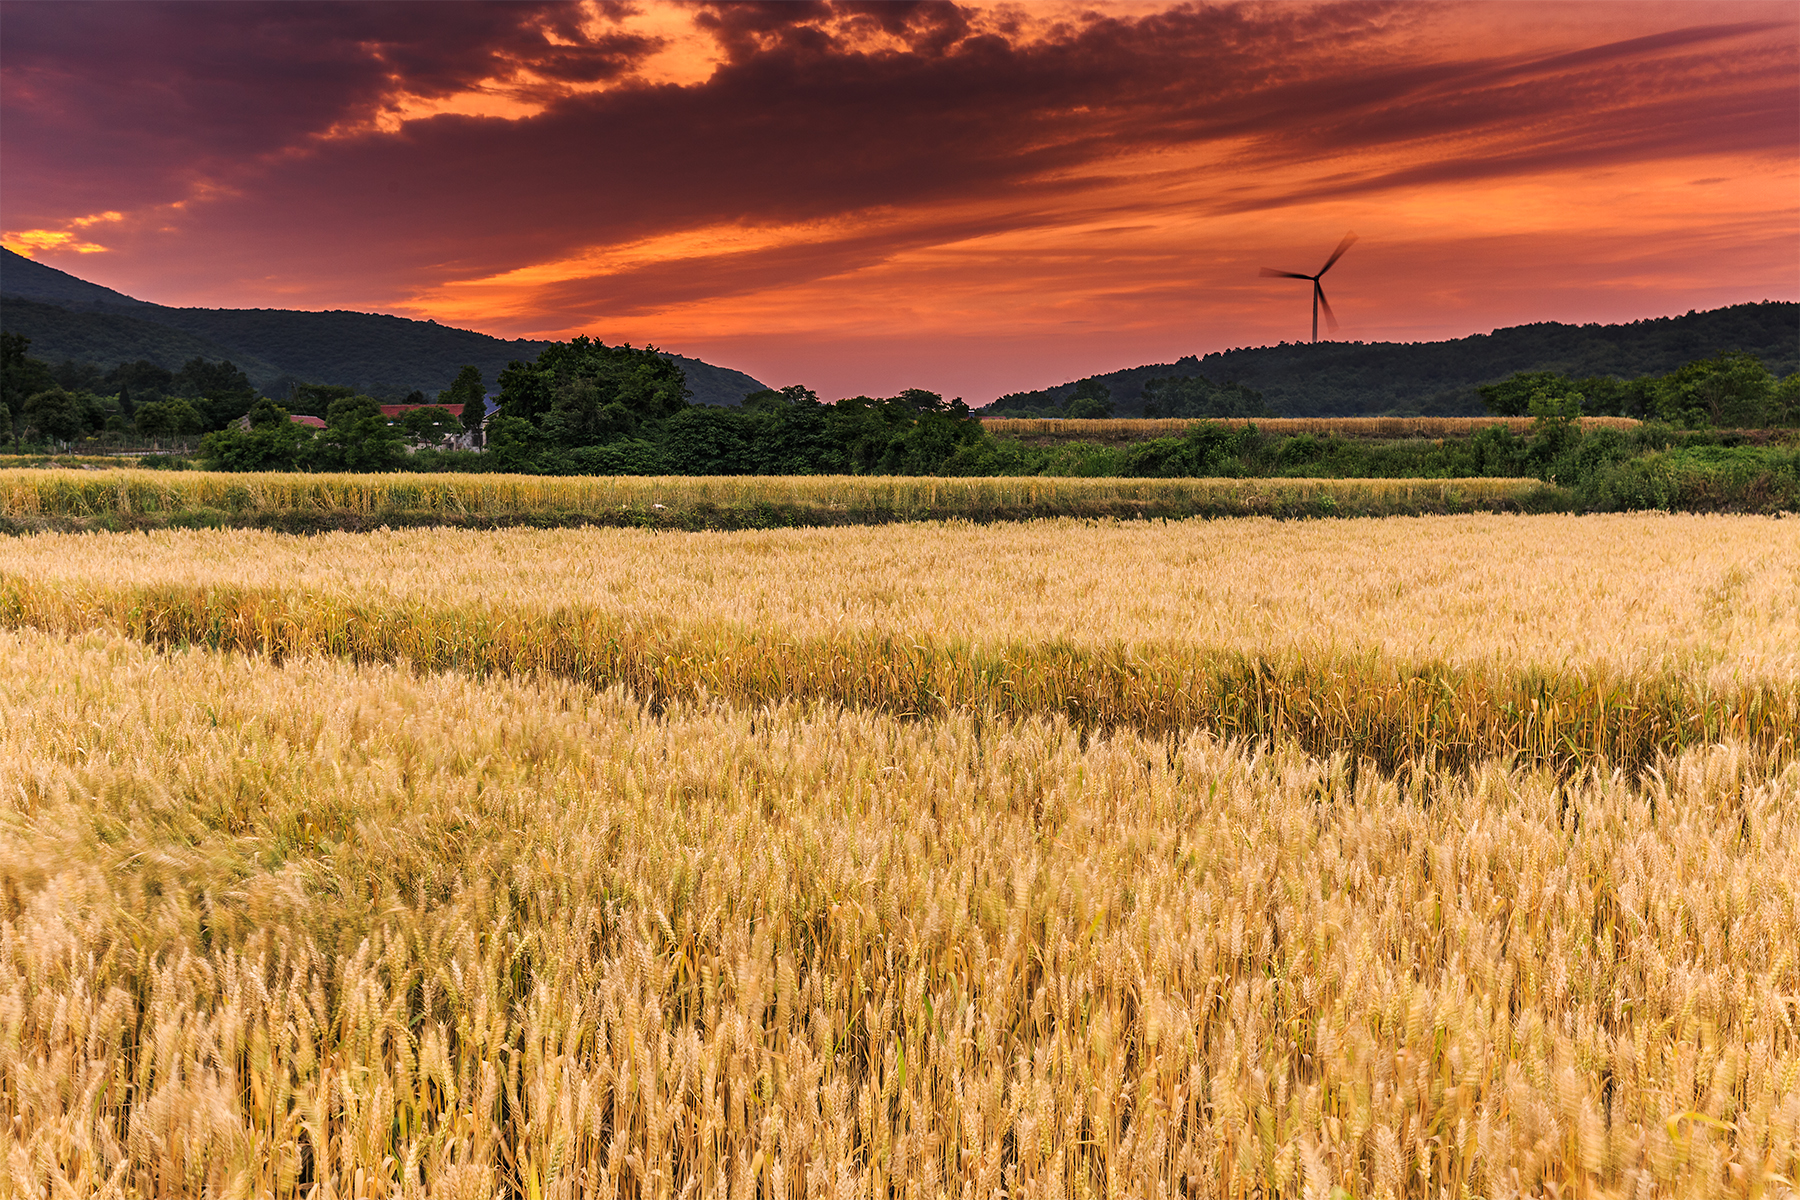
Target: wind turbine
(1319,300)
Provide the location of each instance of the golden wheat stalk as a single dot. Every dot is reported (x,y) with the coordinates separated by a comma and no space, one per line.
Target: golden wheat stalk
(320,928)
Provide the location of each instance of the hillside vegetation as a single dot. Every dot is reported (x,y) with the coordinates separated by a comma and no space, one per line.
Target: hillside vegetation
(1351,379)
(384,356)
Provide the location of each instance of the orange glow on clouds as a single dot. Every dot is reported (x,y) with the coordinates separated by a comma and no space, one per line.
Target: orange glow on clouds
(31,242)
(974,199)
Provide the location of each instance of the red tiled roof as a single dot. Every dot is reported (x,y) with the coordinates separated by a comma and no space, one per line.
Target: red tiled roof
(309,422)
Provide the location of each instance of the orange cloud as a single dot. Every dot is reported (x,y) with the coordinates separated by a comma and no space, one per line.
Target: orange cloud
(31,242)
(961,196)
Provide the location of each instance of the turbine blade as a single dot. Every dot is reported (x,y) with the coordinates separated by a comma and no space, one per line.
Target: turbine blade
(1339,252)
(1330,319)
(1272,273)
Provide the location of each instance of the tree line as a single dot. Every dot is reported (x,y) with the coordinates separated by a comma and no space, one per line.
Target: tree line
(583,407)
(1730,390)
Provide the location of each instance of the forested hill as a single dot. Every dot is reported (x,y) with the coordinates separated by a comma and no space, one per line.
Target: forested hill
(69,318)
(1439,378)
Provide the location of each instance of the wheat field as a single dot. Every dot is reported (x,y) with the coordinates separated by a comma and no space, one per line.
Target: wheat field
(925,861)
(28,496)
(1627,637)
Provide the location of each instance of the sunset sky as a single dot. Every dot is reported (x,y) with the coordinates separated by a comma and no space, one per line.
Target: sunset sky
(973,199)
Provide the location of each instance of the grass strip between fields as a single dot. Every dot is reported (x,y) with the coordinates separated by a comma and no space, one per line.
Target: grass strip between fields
(1366,706)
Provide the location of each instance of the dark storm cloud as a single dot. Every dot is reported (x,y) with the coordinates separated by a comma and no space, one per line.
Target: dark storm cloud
(143,96)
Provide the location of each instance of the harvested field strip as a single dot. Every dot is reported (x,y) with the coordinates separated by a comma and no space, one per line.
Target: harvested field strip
(322,929)
(1367,706)
(733,501)
(1113,430)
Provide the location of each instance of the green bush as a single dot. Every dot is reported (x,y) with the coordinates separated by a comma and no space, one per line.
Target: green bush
(1698,479)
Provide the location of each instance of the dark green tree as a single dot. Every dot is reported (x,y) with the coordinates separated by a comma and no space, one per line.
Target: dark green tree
(266,412)
(1090,400)
(219,390)
(704,440)
(646,385)
(1511,397)
(357,437)
(581,415)
(54,413)
(79,376)
(271,445)
(1198,396)
(467,390)
(21,376)
(513,443)
(1606,396)
(913,433)
(136,382)
(170,419)
(785,433)
(430,424)
(1731,390)
(1556,421)
(313,399)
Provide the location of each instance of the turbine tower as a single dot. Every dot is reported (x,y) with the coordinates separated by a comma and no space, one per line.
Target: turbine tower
(1319,300)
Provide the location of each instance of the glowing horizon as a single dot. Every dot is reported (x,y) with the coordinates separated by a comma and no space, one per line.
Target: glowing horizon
(973,199)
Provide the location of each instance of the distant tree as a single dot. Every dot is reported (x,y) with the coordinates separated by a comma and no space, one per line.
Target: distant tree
(357,437)
(647,386)
(1087,408)
(704,440)
(1511,397)
(430,424)
(1732,389)
(415,397)
(785,433)
(313,399)
(79,376)
(513,443)
(266,412)
(21,376)
(138,381)
(1607,396)
(200,379)
(54,413)
(1556,421)
(773,399)
(1786,408)
(1198,396)
(219,390)
(268,445)
(467,390)
(1090,400)
(909,434)
(170,418)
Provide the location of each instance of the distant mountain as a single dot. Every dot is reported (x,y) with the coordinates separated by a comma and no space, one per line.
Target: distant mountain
(1348,379)
(108,337)
(69,318)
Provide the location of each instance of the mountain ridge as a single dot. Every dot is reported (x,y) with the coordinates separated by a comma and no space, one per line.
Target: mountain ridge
(1350,379)
(384,355)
